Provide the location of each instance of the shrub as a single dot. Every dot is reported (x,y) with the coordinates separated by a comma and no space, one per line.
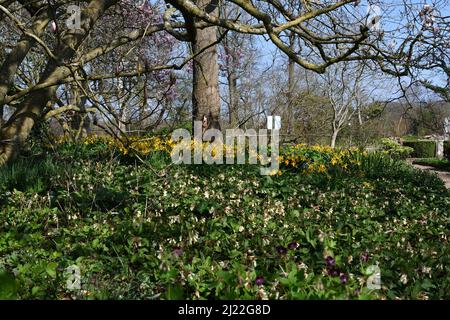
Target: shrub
(422,148)
(27,175)
(447,150)
(440,164)
(395,150)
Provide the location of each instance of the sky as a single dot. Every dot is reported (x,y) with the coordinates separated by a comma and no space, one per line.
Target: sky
(390,20)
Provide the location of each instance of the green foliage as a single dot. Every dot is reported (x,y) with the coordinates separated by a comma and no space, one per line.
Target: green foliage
(440,164)
(8,286)
(223,232)
(70,150)
(410,138)
(395,150)
(27,175)
(167,131)
(377,165)
(422,148)
(447,150)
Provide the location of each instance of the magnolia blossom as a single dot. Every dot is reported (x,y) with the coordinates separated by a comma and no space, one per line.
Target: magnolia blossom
(53,26)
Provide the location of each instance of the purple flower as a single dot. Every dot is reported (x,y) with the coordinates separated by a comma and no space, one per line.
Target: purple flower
(293,245)
(330,261)
(333,272)
(178,251)
(344,278)
(281,250)
(364,257)
(259,280)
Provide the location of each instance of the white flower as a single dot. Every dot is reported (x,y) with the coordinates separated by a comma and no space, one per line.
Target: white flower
(262,294)
(302,266)
(404,279)
(174,219)
(426,270)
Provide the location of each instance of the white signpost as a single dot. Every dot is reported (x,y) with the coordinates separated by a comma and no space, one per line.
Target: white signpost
(447,128)
(273,122)
(440,142)
(440,149)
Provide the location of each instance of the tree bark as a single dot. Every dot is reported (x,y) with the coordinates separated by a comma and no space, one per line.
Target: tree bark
(2,113)
(18,53)
(232,77)
(233,97)
(334,138)
(291,87)
(360,121)
(80,123)
(205,95)
(8,141)
(17,129)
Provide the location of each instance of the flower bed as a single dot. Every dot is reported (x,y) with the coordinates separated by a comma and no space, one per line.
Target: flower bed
(154,230)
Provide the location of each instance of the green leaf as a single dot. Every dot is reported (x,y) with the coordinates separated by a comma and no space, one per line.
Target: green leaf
(35,290)
(426,284)
(8,286)
(95,243)
(174,292)
(51,269)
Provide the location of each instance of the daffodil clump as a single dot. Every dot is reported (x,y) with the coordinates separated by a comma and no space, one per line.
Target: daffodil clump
(144,146)
(301,157)
(310,159)
(127,145)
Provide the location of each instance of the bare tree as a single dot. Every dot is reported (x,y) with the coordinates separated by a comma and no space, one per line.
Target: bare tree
(431,63)
(326,33)
(343,90)
(49,54)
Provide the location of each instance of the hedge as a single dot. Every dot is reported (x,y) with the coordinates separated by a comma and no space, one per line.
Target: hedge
(422,149)
(394,150)
(447,150)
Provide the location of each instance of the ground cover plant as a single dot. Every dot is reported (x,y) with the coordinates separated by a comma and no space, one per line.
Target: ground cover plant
(439,164)
(138,227)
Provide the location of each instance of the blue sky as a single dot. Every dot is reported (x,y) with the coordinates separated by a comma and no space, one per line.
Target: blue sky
(391,20)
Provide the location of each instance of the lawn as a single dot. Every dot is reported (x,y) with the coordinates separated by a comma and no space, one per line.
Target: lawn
(141,228)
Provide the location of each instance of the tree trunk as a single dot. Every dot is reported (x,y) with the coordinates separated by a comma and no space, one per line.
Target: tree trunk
(11,136)
(17,129)
(334,138)
(2,113)
(291,87)
(18,53)
(123,120)
(232,87)
(360,121)
(205,95)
